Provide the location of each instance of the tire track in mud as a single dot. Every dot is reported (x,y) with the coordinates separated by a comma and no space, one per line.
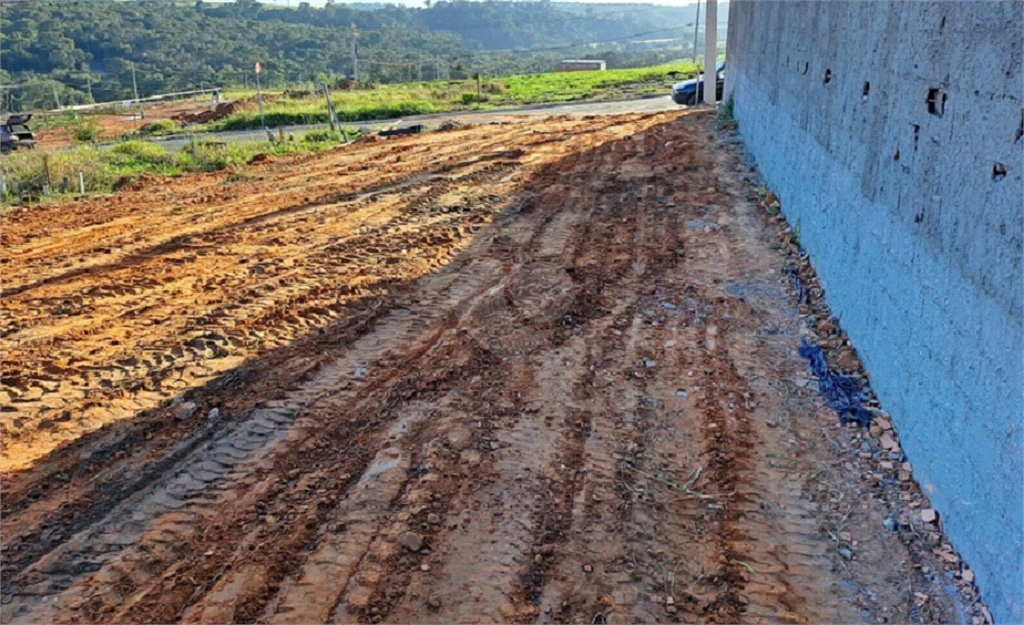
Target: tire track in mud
(93,510)
(360,595)
(291,298)
(560,419)
(772,551)
(610,516)
(96,610)
(536,294)
(208,342)
(332,375)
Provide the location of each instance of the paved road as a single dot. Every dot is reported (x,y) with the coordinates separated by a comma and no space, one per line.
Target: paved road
(640,105)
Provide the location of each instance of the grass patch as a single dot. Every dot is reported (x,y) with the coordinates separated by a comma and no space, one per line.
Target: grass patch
(85,131)
(726,115)
(27,173)
(401,100)
(350,107)
(30,171)
(161,128)
(391,101)
(569,86)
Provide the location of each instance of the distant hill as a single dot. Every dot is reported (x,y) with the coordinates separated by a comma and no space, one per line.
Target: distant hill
(89,47)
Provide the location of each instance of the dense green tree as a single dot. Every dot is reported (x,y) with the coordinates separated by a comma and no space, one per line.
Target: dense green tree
(89,46)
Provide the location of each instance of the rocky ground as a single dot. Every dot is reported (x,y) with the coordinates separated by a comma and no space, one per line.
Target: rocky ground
(542,371)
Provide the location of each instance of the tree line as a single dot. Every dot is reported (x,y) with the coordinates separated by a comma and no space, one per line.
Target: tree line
(83,51)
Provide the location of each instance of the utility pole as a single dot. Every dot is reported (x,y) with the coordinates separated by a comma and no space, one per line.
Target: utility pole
(56,98)
(135,87)
(355,54)
(332,115)
(711,53)
(259,97)
(696,27)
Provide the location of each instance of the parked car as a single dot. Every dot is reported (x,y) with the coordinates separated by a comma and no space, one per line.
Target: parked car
(15,134)
(692,91)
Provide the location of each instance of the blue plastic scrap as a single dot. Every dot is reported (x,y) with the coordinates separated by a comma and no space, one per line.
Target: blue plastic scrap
(840,391)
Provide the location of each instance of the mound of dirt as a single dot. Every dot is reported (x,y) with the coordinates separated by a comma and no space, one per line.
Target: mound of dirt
(136,183)
(450,125)
(218,112)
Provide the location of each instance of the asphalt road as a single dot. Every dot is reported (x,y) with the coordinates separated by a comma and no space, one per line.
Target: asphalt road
(636,105)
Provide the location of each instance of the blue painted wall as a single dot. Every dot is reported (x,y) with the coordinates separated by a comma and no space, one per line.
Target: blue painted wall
(904,172)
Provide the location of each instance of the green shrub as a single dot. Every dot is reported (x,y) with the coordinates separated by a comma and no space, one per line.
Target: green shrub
(141,151)
(206,158)
(85,131)
(320,136)
(160,128)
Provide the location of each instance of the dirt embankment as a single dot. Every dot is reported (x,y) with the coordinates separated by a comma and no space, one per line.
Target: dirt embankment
(532,372)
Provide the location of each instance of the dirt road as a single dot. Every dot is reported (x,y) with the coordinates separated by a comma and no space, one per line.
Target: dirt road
(657,104)
(530,372)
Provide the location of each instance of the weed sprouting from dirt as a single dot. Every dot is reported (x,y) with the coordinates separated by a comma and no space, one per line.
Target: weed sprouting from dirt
(726,118)
(85,131)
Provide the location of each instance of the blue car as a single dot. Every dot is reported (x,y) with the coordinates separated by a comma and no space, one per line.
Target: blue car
(692,91)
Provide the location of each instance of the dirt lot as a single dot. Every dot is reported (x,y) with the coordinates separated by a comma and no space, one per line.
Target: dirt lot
(111,126)
(532,372)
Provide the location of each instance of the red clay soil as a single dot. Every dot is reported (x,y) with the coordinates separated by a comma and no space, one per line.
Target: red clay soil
(532,372)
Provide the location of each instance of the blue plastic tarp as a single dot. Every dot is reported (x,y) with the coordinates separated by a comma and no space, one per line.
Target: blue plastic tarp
(841,391)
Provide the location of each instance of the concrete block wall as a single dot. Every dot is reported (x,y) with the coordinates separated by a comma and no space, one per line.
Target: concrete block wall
(892,134)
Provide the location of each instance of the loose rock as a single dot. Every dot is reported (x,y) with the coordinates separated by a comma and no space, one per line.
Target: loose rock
(184,411)
(411,541)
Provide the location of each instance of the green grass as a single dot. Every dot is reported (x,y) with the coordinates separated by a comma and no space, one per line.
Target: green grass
(569,86)
(392,101)
(161,128)
(105,170)
(299,112)
(48,120)
(85,131)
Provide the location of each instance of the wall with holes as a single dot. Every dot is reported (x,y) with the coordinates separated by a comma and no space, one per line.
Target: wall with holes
(892,134)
